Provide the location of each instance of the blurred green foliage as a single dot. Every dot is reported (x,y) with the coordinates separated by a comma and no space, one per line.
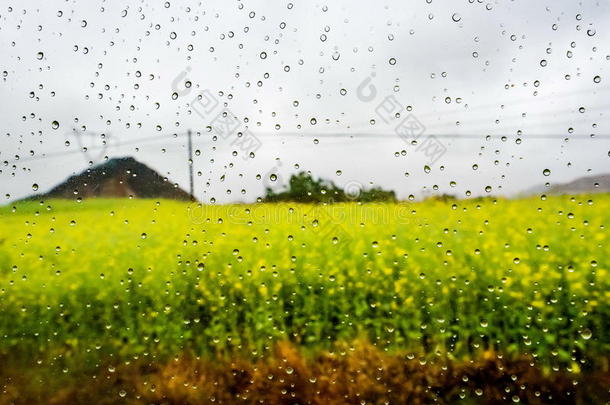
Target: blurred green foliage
(153,278)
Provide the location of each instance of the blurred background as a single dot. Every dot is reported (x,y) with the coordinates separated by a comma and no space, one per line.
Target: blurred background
(513,94)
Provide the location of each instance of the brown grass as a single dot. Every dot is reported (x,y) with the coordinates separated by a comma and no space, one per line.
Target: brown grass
(362,374)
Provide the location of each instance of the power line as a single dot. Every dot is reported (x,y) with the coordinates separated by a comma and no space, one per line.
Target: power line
(145,140)
(452,136)
(96,147)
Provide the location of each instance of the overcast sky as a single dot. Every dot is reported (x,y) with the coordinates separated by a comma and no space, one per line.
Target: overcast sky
(313,83)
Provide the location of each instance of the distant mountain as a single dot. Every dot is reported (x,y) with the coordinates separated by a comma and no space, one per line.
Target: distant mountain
(116,178)
(589,184)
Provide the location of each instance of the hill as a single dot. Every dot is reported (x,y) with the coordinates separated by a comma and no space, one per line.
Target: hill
(118,177)
(583,185)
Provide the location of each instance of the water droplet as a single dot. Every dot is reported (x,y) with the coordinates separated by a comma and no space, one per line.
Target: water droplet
(586,333)
(456,17)
(546,172)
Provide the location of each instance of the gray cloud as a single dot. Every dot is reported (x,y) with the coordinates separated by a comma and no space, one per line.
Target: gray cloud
(113,74)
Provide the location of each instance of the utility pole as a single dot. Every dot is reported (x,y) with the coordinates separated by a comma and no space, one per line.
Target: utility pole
(192,188)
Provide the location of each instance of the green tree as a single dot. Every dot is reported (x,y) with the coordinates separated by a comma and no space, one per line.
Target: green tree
(302,187)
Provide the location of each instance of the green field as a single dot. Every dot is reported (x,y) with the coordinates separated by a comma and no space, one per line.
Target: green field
(129,279)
